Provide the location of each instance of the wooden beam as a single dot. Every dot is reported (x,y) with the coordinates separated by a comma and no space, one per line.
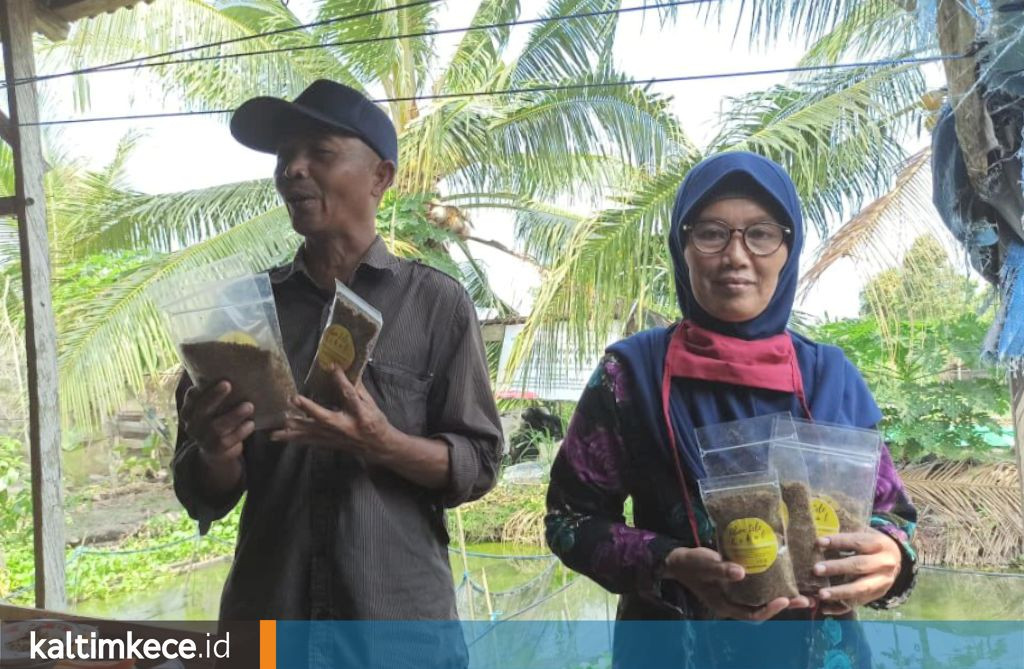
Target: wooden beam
(8,206)
(73,10)
(957,30)
(16,20)
(1017,409)
(48,24)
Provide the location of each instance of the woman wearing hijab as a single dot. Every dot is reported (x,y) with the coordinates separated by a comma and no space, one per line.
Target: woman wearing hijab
(735,239)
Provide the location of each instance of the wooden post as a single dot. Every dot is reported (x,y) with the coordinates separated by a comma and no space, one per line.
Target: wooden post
(1017,409)
(465,563)
(16,28)
(957,30)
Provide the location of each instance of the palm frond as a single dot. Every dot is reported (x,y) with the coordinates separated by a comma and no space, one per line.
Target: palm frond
(970,513)
(613,263)
(837,134)
(173,24)
(109,219)
(625,121)
(562,50)
(872,29)
(772,20)
(478,55)
(907,205)
(450,138)
(109,344)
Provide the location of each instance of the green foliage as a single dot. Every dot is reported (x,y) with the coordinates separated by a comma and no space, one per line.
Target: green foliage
(149,558)
(485,519)
(926,286)
(93,275)
(15,493)
(912,372)
(404,224)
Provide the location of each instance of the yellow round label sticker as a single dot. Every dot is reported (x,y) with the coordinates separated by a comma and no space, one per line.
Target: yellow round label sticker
(826,520)
(751,543)
(336,348)
(238,337)
(784,512)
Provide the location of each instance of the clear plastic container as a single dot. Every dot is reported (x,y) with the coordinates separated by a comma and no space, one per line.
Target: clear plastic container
(746,510)
(188,283)
(228,330)
(347,341)
(753,445)
(842,467)
(741,446)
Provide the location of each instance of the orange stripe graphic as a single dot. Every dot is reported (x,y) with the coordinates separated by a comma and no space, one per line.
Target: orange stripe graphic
(268,644)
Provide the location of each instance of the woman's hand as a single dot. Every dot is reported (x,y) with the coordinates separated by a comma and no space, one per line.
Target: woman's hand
(874,567)
(704,573)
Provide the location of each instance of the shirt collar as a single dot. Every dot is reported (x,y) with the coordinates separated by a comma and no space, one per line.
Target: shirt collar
(377,257)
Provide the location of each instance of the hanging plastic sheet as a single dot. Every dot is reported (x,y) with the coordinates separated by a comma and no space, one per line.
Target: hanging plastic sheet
(1002,53)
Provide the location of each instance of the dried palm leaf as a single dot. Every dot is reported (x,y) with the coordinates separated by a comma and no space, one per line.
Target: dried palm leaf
(970,513)
(525,526)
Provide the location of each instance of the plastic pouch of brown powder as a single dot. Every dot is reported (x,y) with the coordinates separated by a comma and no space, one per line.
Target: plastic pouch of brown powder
(746,510)
(227,329)
(347,341)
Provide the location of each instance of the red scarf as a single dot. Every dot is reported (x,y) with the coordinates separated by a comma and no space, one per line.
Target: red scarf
(696,353)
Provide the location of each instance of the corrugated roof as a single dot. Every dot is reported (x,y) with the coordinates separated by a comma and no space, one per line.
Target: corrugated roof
(53,17)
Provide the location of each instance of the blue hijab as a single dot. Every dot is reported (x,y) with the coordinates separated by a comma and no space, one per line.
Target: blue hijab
(835,391)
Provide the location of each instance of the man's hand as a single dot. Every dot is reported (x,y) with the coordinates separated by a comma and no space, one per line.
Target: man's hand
(875,567)
(704,573)
(218,430)
(359,427)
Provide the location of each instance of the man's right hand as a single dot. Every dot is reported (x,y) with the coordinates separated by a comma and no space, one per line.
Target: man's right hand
(218,432)
(704,573)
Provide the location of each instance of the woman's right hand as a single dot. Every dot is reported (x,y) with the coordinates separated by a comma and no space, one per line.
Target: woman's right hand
(704,573)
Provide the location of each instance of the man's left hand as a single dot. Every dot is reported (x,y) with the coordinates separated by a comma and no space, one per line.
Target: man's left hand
(358,427)
(874,567)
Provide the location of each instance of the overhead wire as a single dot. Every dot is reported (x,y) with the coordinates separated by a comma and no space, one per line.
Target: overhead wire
(134,65)
(541,89)
(234,40)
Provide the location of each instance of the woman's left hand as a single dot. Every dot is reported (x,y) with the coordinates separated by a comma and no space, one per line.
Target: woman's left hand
(874,568)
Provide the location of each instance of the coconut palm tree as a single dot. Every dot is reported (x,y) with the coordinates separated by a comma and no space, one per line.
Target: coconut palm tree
(519,152)
(837,133)
(842,134)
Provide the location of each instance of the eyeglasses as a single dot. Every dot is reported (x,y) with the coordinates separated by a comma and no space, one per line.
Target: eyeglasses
(761,239)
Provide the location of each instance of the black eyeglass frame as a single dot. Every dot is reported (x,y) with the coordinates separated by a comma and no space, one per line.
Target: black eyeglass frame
(743,236)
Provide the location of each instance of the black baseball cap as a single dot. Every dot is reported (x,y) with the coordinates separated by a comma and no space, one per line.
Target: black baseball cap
(260,122)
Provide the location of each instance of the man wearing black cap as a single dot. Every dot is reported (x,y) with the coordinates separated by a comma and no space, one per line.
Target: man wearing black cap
(344,509)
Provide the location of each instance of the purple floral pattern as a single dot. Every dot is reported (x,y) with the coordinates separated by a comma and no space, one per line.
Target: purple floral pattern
(629,549)
(617,380)
(594,455)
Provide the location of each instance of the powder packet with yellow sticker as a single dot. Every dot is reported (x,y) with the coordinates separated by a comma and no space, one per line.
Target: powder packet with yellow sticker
(226,329)
(746,510)
(752,445)
(347,341)
(842,469)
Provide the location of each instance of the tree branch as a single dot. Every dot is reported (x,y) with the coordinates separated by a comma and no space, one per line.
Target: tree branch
(504,249)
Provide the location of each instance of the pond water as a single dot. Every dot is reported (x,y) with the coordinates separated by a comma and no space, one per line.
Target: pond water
(526,584)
